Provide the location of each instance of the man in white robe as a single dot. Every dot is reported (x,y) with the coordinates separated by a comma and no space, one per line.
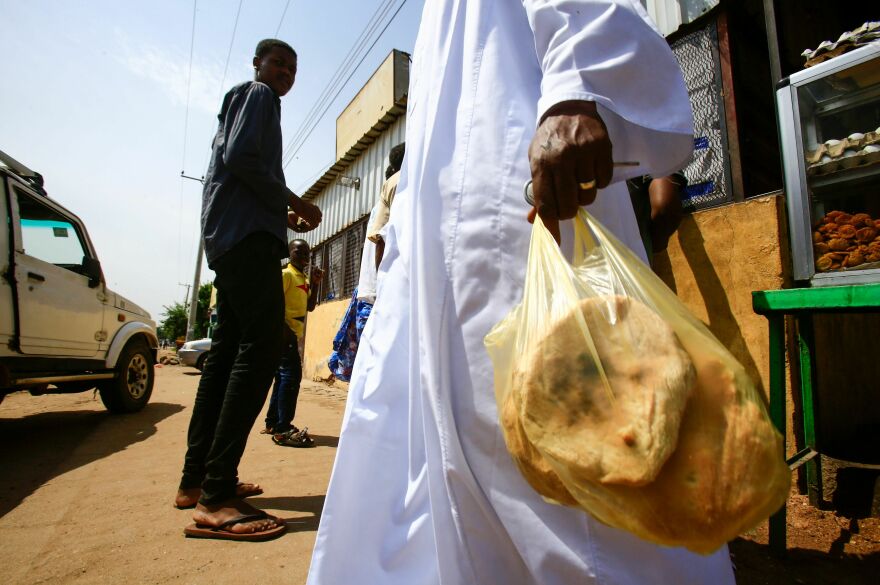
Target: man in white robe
(423,490)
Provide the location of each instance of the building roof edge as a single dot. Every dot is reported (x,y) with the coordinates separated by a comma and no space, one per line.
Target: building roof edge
(369,137)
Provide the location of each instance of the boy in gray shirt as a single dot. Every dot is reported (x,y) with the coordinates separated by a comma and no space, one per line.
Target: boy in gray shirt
(245,216)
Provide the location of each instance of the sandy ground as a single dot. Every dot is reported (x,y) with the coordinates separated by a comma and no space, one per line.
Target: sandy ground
(86,498)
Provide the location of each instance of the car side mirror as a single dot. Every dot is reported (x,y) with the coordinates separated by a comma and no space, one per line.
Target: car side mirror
(92,270)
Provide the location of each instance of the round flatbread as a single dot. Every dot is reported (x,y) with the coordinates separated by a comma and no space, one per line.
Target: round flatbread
(534,468)
(726,475)
(622,433)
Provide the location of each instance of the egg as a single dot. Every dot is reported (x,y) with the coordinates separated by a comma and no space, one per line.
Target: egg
(856,136)
(850,159)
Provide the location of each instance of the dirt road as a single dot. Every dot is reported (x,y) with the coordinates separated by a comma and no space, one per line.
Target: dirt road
(86,496)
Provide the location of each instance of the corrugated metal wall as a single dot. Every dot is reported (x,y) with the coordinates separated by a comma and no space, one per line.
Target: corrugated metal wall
(342,206)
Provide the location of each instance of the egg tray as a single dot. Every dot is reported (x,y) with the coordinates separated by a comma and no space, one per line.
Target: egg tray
(831,156)
(864,35)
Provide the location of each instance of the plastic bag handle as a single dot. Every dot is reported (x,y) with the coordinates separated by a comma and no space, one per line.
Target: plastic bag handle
(584,239)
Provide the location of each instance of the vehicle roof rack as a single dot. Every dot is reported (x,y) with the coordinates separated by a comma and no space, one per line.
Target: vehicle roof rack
(29,176)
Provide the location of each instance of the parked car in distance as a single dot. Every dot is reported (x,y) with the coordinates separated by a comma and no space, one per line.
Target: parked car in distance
(194,353)
(62,330)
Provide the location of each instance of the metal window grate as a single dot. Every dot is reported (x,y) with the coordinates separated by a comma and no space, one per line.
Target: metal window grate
(340,259)
(708,172)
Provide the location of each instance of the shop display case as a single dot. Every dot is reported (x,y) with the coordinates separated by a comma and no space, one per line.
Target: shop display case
(829,126)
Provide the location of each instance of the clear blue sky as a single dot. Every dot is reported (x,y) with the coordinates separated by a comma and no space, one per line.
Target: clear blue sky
(94,97)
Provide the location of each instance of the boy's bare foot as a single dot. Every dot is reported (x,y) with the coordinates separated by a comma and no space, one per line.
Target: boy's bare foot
(221,514)
(234,519)
(189,498)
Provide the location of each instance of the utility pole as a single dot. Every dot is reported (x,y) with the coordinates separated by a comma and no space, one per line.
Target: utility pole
(194,300)
(194,303)
(186,296)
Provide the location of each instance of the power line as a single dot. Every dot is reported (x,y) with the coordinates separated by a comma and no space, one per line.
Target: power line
(229,52)
(333,99)
(192,38)
(283,14)
(308,183)
(337,75)
(368,29)
(295,148)
(355,49)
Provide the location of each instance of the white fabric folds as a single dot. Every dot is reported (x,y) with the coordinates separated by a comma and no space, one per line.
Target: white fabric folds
(423,490)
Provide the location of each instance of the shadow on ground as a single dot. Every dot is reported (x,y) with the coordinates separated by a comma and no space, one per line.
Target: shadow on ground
(40,447)
(325,440)
(311,504)
(756,566)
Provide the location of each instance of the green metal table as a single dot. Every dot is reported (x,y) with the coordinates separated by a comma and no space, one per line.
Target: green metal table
(802,303)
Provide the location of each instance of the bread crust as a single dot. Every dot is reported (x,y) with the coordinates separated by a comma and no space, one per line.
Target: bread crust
(570,415)
(725,472)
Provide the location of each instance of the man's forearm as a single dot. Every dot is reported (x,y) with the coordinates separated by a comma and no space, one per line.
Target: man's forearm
(380,251)
(313,297)
(666,211)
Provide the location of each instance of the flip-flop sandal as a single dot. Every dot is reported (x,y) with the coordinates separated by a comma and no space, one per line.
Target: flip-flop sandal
(239,492)
(294,438)
(221,532)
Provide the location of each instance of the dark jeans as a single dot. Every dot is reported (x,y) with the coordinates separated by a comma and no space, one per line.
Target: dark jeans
(245,352)
(282,405)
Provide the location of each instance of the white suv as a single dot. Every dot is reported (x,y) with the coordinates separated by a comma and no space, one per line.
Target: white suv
(61,329)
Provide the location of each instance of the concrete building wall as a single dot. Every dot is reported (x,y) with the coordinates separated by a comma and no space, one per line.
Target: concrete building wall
(387,87)
(342,205)
(715,261)
(321,326)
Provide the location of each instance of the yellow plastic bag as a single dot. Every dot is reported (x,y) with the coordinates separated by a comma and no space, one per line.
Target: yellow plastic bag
(615,399)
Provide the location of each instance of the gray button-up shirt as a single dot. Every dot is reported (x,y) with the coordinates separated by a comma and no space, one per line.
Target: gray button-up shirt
(244,189)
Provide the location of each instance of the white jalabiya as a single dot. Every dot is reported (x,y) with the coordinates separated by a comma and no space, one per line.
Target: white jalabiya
(423,490)
(367,276)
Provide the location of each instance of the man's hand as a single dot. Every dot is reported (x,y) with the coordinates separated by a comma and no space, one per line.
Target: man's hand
(570,147)
(316,275)
(306,211)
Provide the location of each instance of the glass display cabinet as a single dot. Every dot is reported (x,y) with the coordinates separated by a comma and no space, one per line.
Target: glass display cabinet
(829,127)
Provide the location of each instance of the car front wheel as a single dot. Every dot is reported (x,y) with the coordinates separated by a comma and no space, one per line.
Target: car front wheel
(130,390)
